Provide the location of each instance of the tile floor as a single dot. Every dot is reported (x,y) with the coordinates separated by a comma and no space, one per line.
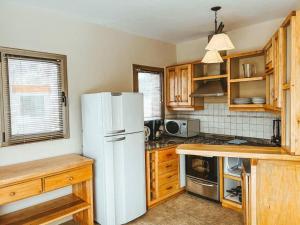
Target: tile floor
(188,210)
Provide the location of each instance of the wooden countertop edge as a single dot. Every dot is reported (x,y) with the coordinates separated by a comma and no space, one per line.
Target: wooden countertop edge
(21,172)
(240,151)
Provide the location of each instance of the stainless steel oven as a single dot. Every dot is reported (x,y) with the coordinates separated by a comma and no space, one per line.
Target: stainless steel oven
(202,176)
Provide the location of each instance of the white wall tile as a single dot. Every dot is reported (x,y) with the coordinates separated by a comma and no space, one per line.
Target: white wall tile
(216,118)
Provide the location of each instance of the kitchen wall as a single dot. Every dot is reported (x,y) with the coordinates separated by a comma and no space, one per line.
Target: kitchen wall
(216,118)
(99,59)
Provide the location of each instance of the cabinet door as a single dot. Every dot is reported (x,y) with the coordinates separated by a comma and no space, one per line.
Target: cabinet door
(184,84)
(171,87)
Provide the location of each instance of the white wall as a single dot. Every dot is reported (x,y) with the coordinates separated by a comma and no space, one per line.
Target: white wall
(99,59)
(247,38)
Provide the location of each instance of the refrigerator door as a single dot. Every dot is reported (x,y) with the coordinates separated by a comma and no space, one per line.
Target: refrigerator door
(122,113)
(128,172)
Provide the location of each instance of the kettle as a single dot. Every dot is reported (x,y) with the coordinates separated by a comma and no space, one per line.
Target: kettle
(276,138)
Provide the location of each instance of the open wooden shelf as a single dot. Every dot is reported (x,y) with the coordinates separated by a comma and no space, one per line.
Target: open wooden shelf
(232,177)
(46,212)
(210,77)
(233,200)
(244,54)
(237,80)
(247,106)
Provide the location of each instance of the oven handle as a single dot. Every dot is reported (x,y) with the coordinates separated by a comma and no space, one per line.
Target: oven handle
(204,184)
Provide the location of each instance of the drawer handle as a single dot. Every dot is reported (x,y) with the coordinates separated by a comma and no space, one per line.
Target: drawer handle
(169,155)
(169,176)
(168,166)
(70,178)
(12,193)
(169,188)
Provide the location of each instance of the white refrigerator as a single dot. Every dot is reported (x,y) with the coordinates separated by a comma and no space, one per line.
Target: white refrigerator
(113,125)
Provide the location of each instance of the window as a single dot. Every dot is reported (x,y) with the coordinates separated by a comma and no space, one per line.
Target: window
(34,96)
(149,81)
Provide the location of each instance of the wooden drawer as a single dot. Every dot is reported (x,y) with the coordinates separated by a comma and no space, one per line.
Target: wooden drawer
(68,178)
(168,166)
(20,191)
(167,155)
(168,188)
(168,177)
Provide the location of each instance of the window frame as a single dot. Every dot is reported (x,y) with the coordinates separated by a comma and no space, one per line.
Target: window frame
(157,70)
(4,101)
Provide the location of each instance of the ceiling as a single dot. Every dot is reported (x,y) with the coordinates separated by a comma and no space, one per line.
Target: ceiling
(168,20)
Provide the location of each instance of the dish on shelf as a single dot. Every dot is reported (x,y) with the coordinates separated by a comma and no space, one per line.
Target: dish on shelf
(258,100)
(241,101)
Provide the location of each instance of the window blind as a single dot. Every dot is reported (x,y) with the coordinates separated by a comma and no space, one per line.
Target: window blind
(149,84)
(34,99)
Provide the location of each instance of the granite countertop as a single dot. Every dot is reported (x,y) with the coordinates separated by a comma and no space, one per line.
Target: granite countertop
(209,139)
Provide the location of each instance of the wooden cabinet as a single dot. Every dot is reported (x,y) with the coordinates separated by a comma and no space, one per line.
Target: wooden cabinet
(29,179)
(179,87)
(273,72)
(162,170)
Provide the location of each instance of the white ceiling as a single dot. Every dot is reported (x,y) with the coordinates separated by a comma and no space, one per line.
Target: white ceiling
(168,20)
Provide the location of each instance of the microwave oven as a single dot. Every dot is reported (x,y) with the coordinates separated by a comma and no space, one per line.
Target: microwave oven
(182,127)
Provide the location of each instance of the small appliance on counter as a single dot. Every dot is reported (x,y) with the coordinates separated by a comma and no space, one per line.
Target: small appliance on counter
(154,129)
(276,138)
(182,127)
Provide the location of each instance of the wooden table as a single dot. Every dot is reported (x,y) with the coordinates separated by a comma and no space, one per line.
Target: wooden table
(29,179)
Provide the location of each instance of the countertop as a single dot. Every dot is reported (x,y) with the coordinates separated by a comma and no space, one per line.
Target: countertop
(203,138)
(238,151)
(217,145)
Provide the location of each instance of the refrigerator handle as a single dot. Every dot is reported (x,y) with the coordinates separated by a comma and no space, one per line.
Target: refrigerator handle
(117,139)
(116,131)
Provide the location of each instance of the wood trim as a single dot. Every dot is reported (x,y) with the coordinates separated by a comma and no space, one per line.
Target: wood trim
(161,71)
(296,82)
(245,54)
(287,20)
(221,180)
(237,80)
(210,77)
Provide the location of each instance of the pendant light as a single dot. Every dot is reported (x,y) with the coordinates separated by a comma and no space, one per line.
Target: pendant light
(212,56)
(219,41)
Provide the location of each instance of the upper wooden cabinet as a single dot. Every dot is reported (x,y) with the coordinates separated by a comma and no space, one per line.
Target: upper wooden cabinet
(273,73)
(179,87)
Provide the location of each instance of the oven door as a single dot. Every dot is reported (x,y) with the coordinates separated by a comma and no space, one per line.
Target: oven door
(205,168)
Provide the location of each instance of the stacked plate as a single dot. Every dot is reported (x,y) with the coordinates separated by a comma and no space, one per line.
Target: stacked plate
(258,100)
(241,101)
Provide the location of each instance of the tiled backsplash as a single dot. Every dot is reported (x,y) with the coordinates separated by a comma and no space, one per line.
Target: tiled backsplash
(216,118)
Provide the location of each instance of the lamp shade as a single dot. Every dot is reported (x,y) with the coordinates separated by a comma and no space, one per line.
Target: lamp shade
(212,57)
(220,42)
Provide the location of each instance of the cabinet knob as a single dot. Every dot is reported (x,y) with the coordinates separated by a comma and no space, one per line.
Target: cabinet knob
(12,193)
(71,178)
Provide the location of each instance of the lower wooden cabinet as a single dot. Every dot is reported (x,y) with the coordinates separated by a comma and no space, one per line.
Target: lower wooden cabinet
(162,170)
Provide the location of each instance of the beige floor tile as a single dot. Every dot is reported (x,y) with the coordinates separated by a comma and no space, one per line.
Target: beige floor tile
(188,210)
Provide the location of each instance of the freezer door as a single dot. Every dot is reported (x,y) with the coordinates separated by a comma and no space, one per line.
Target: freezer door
(122,113)
(129,176)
